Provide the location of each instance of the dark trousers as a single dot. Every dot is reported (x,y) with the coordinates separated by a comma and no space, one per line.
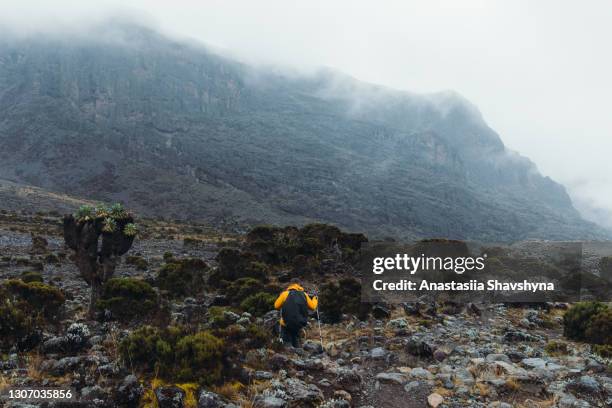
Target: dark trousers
(290,336)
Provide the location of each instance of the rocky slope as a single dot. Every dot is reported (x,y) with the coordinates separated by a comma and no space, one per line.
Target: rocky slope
(172,129)
(415,356)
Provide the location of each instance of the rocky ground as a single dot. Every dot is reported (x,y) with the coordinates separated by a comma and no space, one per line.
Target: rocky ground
(405,356)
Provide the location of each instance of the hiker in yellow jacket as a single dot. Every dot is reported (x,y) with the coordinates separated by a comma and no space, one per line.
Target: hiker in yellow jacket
(294,304)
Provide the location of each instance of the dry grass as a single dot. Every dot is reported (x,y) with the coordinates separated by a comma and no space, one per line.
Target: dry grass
(443,392)
(34,362)
(111,345)
(230,390)
(5,383)
(483,389)
(512,384)
(247,398)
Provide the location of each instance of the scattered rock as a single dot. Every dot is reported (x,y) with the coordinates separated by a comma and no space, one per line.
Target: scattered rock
(397,378)
(421,374)
(129,392)
(381,312)
(378,353)
(440,355)
(170,397)
(585,385)
(434,400)
(208,399)
(419,348)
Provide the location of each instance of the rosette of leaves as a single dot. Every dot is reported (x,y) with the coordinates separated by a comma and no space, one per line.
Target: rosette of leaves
(109,226)
(85,213)
(130,230)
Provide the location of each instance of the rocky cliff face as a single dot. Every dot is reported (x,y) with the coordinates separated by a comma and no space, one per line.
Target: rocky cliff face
(175,130)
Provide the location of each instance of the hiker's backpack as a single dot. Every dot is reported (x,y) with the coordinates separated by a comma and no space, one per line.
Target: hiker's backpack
(295,310)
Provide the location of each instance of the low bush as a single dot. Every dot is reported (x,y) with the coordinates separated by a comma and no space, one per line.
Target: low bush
(556,348)
(147,349)
(198,357)
(218,316)
(190,242)
(18,326)
(128,298)
(599,328)
(20,323)
(242,288)
(234,264)
(31,276)
(258,304)
(344,296)
(45,299)
(53,259)
(604,350)
(239,338)
(182,277)
(174,355)
(139,262)
(577,319)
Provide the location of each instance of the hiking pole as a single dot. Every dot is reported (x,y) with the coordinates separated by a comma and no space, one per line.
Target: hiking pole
(318,318)
(320,332)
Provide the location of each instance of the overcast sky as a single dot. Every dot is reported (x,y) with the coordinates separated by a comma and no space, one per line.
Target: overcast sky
(540,71)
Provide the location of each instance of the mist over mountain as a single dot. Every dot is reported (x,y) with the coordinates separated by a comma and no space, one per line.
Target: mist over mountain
(173,129)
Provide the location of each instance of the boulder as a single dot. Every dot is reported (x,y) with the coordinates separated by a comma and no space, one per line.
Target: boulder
(170,397)
(129,392)
(208,399)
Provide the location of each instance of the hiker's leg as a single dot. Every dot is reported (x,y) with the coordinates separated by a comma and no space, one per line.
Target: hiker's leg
(286,335)
(295,338)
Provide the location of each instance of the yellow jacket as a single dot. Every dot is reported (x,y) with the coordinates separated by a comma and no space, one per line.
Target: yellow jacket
(312,302)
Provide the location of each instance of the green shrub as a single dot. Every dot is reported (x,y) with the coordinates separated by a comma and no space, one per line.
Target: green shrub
(242,288)
(168,256)
(310,246)
(17,324)
(184,277)
(174,355)
(43,298)
(599,329)
(53,259)
(556,348)
(217,316)
(324,234)
(238,338)
(234,264)
(577,319)
(199,358)
(139,262)
(258,304)
(256,270)
(190,242)
(147,348)
(342,297)
(351,241)
(31,276)
(604,350)
(127,298)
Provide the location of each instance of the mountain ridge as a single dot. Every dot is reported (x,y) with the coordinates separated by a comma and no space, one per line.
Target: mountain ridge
(173,129)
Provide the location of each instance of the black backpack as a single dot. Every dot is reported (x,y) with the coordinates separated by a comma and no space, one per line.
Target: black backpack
(295,310)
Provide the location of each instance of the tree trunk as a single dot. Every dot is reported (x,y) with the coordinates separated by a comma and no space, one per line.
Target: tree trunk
(96,288)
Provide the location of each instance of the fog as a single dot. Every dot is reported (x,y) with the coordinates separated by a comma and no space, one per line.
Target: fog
(539,71)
